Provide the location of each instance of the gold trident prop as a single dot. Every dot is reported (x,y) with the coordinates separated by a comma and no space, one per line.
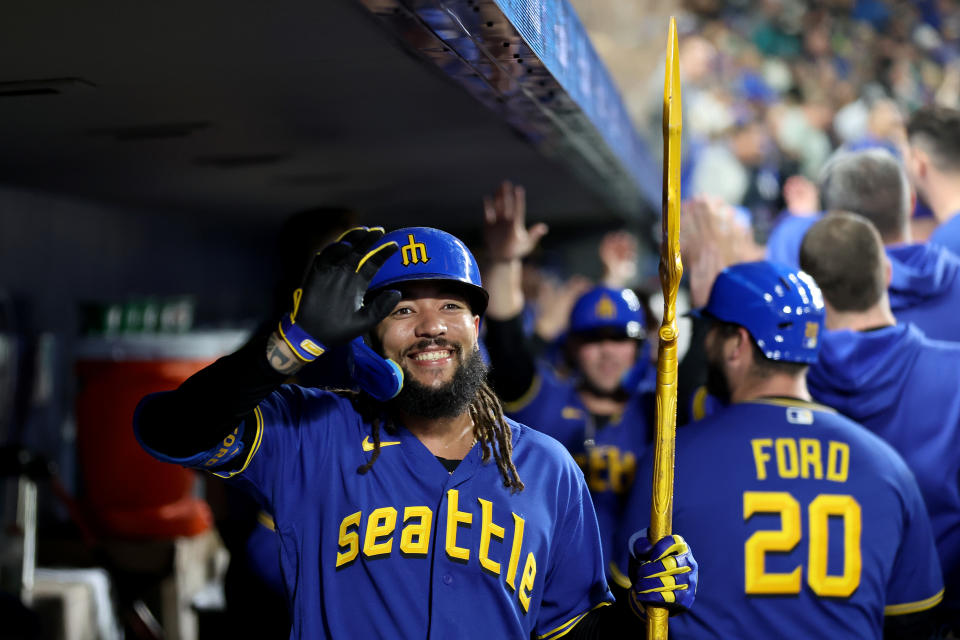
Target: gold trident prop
(671,269)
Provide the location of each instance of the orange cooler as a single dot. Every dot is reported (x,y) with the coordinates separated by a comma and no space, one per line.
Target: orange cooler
(130,494)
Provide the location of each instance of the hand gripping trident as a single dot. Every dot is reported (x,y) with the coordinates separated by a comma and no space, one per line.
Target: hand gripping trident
(671,269)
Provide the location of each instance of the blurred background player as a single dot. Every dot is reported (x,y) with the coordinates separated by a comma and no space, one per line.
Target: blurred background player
(934,167)
(599,413)
(331,467)
(888,376)
(809,524)
(925,282)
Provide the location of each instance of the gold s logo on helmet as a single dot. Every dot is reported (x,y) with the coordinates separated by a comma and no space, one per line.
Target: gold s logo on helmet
(413,253)
(605,308)
(810,335)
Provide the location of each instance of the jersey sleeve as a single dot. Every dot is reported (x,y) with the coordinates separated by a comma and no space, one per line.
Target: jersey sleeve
(916,582)
(538,404)
(636,516)
(292,433)
(575,582)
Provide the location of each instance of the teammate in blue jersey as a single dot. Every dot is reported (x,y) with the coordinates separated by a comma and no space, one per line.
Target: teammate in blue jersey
(925,285)
(811,526)
(600,413)
(413,510)
(934,168)
(889,377)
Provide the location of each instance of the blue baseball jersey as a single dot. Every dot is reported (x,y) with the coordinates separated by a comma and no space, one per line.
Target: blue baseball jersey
(804,524)
(607,455)
(948,234)
(904,388)
(925,289)
(409,550)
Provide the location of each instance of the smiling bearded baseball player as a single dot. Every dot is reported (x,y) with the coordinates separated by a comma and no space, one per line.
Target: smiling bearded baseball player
(423,513)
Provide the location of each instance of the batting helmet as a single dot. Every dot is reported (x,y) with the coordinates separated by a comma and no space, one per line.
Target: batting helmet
(431,254)
(781,308)
(605,308)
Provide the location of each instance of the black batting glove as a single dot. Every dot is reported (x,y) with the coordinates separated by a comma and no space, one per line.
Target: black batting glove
(328,309)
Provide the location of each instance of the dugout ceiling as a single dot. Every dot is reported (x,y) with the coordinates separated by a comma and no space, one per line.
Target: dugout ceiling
(241,112)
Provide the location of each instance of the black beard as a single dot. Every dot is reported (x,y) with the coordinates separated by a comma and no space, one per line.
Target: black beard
(448,401)
(717,383)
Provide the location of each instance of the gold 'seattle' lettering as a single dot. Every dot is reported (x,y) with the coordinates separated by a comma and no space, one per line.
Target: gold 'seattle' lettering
(526,584)
(454,518)
(380,523)
(518,524)
(415,538)
(488,530)
(373,534)
(349,539)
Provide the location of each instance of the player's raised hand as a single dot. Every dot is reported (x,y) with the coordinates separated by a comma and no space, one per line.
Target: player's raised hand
(329,309)
(505,225)
(663,574)
(618,253)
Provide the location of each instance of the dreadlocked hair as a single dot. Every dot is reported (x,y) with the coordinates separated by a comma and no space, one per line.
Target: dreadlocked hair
(493,433)
(490,429)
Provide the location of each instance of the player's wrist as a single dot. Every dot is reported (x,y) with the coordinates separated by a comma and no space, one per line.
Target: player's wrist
(281,357)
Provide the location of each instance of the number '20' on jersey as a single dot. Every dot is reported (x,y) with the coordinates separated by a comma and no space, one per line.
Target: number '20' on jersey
(803,523)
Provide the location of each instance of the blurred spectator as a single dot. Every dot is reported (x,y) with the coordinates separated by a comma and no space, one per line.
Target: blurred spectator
(772,87)
(934,168)
(925,285)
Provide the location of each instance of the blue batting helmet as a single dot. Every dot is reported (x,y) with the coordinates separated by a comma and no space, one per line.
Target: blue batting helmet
(781,308)
(431,254)
(605,308)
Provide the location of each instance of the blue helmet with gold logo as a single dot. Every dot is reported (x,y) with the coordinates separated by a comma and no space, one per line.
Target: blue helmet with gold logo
(431,254)
(605,310)
(781,308)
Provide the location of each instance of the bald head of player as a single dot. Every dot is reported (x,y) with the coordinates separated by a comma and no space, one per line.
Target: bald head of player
(844,254)
(873,184)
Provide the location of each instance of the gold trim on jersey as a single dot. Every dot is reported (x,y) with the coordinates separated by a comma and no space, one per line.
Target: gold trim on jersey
(619,577)
(913,607)
(792,402)
(257,438)
(565,628)
(526,398)
(266,520)
(699,409)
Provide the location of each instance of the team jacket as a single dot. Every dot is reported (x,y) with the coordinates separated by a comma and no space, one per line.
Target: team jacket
(806,525)
(925,289)
(607,455)
(409,550)
(948,234)
(906,389)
